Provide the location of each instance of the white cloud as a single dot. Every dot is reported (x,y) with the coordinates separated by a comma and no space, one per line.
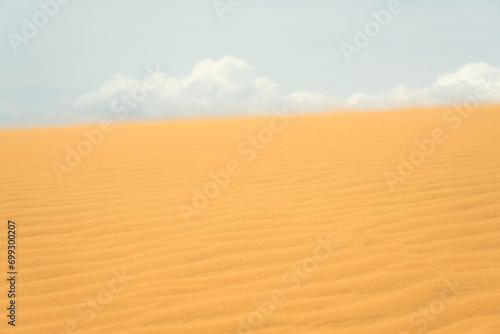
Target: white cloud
(449,88)
(221,86)
(230,85)
(107,90)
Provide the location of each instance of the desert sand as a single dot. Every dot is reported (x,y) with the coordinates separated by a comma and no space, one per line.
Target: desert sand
(348,223)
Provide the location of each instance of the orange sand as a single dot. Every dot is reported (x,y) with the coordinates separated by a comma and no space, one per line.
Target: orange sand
(306,237)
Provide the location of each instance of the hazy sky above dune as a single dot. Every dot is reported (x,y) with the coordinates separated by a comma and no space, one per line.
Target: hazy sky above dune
(262,55)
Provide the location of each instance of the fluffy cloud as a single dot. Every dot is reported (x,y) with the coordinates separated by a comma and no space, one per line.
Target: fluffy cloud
(118,83)
(215,87)
(212,87)
(230,85)
(447,89)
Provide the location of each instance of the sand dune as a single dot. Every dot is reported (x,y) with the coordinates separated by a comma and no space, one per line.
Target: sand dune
(378,222)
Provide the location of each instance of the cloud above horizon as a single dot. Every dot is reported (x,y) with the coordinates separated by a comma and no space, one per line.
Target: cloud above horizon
(230,86)
(449,88)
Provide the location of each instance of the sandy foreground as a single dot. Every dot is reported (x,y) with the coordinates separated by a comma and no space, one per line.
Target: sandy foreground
(379,222)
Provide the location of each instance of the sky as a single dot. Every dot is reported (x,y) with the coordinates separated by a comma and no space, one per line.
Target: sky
(69,61)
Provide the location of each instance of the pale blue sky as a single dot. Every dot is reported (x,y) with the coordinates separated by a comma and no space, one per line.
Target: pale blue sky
(292,43)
